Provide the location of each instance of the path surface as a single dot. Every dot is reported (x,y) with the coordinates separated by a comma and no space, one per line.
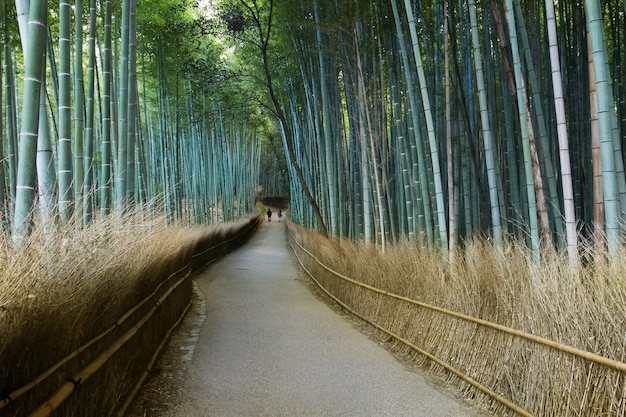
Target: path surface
(269,347)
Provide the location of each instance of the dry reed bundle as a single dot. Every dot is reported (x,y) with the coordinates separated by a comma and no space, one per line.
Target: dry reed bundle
(584,311)
(57,294)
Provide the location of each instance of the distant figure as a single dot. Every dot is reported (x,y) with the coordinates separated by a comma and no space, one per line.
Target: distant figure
(269,215)
(280,214)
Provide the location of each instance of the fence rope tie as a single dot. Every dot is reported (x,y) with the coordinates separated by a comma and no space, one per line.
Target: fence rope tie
(76,382)
(580,353)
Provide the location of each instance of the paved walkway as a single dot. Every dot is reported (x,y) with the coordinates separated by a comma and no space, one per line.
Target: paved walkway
(269,347)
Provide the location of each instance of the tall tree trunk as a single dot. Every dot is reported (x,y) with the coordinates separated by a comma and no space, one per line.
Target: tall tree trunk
(430,127)
(65,115)
(605,103)
(566,169)
(489,144)
(26,169)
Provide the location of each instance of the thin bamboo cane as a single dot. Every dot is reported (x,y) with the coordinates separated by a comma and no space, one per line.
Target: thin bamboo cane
(157,352)
(592,357)
(42,377)
(87,372)
(79,113)
(3,194)
(486,390)
(64,146)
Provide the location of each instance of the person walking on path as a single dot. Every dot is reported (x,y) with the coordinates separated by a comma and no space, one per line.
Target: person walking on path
(269,215)
(280,214)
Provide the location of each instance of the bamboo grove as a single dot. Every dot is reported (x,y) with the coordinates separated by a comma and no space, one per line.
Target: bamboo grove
(107,105)
(431,121)
(441,121)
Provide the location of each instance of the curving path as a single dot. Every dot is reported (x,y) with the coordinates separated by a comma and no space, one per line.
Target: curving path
(269,347)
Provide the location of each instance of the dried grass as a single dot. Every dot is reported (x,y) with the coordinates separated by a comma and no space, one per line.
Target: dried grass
(583,310)
(57,293)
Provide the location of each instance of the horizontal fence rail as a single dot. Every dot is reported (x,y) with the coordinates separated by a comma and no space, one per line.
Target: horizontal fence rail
(83,375)
(589,356)
(65,390)
(24,389)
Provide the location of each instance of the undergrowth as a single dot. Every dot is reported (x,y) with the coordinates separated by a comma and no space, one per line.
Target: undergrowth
(60,289)
(585,310)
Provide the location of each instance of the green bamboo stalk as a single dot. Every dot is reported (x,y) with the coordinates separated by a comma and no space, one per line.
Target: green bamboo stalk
(489,145)
(326,128)
(88,160)
(3,184)
(121,167)
(132,118)
(368,156)
(419,161)
(11,118)
(403,155)
(65,173)
(544,143)
(605,114)
(107,82)
(46,173)
(430,126)
(450,151)
(566,170)
(26,169)
(79,113)
(524,116)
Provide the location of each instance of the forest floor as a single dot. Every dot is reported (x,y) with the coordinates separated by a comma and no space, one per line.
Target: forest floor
(260,341)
